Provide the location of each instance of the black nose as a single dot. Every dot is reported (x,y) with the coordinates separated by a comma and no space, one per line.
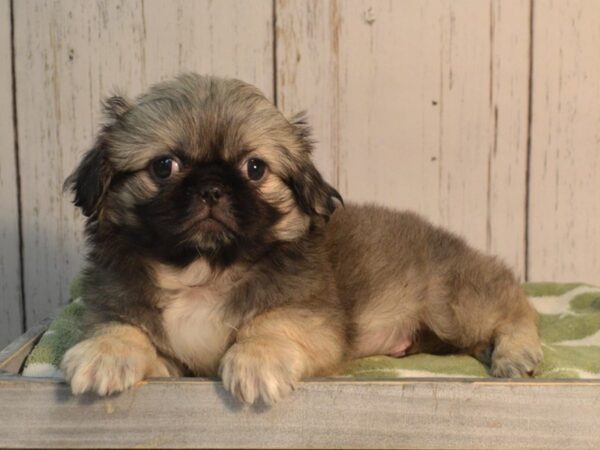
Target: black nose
(211,194)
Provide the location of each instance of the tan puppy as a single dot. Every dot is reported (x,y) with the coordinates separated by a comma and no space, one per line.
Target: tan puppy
(216,248)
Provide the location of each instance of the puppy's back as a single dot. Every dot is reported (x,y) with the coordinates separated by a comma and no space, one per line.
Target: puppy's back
(372,248)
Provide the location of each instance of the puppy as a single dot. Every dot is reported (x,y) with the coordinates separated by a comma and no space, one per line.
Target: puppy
(217,249)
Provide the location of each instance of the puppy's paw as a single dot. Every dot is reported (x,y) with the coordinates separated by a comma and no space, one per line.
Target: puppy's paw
(106,364)
(516,358)
(253,371)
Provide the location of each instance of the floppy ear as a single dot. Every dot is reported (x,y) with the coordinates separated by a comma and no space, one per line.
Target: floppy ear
(91,179)
(314,195)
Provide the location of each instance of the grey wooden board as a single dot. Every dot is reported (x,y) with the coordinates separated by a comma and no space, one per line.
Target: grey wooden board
(319,414)
(13,356)
(10,275)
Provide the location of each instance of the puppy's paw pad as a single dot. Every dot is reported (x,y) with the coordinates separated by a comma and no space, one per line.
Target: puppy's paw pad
(103,365)
(251,372)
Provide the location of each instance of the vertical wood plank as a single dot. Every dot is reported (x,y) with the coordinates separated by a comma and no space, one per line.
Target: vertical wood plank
(70,54)
(10,276)
(507,131)
(565,142)
(419,105)
(308,77)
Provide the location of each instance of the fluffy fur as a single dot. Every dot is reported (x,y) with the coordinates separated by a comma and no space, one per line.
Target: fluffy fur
(216,248)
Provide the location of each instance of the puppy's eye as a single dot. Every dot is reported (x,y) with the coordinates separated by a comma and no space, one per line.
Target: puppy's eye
(256,169)
(163,167)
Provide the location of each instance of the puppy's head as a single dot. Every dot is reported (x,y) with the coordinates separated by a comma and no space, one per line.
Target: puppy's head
(201,166)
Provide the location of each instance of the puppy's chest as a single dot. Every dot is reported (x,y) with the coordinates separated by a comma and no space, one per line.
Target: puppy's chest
(197,328)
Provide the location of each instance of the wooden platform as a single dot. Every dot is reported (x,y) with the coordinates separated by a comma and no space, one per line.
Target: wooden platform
(322,413)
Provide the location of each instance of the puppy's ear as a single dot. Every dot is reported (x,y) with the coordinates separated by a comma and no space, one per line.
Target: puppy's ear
(91,179)
(313,194)
(302,129)
(115,107)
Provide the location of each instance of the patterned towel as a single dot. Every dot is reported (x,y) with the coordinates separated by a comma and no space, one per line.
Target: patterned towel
(569,326)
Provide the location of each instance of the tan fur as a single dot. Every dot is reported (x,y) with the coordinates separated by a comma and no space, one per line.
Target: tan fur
(113,358)
(119,203)
(409,277)
(386,319)
(275,350)
(199,273)
(294,222)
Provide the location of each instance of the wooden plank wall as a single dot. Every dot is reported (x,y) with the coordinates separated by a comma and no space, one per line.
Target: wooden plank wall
(418,105)
(480,114)
(564,219)
(11,319)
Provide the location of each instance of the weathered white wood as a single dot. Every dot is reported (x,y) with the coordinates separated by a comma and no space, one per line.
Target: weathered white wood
(319,414)
(505,133)
(10,273)
(308,73)
(564,207)
(70,54)
(13,356)
(416,104)
(419,105)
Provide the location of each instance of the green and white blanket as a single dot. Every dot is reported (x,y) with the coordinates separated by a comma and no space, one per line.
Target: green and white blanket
(569,327)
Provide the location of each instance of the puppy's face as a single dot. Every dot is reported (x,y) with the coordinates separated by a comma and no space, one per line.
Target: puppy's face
(201,167)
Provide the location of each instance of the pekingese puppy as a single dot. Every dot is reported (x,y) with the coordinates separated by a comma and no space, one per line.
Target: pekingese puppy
(216,248)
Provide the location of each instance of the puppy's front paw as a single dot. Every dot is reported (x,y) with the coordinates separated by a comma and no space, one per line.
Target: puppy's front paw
(105,364)
(252,371)
(516,358)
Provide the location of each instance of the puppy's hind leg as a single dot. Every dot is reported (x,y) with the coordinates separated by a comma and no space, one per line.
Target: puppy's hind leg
(517,351)
(489,318)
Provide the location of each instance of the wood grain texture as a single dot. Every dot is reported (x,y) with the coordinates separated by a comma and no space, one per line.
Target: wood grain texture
(565,142)
(418,105)
(308,77)
(319,414)
(69,55)
(13,356)
(10,273)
